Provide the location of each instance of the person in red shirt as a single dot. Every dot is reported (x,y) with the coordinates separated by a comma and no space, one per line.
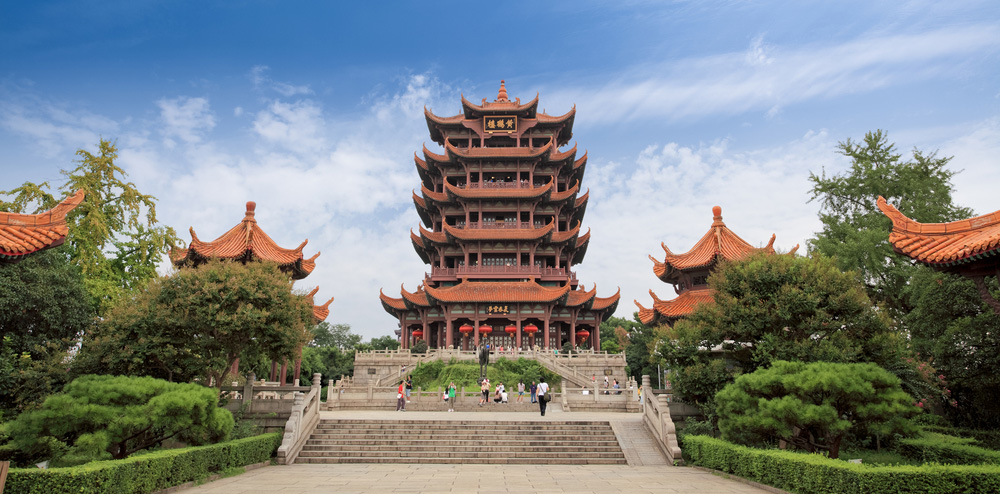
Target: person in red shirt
(401,399)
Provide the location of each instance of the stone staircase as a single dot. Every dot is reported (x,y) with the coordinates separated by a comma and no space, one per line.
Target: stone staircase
(463,442)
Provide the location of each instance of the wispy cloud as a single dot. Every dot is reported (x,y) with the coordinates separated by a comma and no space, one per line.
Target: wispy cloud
(261,81)
(766,77)
(185,118)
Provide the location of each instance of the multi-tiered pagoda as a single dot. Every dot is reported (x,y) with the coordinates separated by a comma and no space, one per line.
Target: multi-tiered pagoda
(247,242)
(501,211)
(688,272)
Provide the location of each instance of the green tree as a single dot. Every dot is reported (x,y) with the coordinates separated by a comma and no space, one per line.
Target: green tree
(854,230)
(325,334)
(114,236)
(633,337)
(105,417)
(775,307)
(386,342)
(813,406)
(198,321)
(951,328)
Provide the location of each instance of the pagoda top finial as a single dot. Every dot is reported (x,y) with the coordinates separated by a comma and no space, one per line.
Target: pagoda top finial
(502,94)
(717,216)
(251,207)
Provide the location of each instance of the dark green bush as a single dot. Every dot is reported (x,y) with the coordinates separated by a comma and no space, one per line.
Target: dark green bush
(145,473)
(942,448)
(812,473)
(989,439)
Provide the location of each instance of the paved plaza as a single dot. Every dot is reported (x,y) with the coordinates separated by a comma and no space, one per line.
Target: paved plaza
(647,471)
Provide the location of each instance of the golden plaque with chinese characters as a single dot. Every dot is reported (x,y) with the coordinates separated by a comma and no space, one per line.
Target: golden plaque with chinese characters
(498,309)
(498,123)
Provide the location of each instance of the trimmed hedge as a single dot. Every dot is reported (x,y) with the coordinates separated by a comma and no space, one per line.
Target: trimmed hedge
(145,473)
(942,448)
(813,473)
(989,439)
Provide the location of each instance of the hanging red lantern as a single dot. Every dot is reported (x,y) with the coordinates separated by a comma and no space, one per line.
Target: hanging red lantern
(511,329)
(484,329)
(465,328)
(418,334)
(582,335)
(531,328)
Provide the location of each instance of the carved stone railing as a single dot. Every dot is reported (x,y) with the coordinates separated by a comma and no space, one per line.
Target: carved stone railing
(301,423)
(656,416)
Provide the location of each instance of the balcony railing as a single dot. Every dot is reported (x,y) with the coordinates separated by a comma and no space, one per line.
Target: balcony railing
(525,271)
(498,225)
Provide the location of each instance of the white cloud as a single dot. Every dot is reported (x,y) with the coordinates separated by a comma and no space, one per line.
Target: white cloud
(260,81)
(296,127)
(186,118)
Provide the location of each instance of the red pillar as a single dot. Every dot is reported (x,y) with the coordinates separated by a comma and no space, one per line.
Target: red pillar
(449,339)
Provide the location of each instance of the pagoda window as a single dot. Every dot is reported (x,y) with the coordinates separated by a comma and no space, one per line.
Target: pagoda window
(699,280)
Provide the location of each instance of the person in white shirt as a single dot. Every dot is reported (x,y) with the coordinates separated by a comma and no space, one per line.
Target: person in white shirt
(543,390)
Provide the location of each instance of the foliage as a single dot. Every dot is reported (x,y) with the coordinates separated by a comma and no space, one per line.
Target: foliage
(114,236)
(198,321)
(950,324)
(854,229)
(812,406)
(26,379)
(633,337)
(42,300)
(942,448)
(331,362)
(768,308)
(438,373)
(340,336)
(814,474)
(147,473)
(384,343)
(987,438)
(105,417)
(419,347)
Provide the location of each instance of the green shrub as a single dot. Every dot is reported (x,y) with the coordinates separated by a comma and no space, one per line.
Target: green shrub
(811,473)
(438,374)
(989,439)
(145,473)
(942,448)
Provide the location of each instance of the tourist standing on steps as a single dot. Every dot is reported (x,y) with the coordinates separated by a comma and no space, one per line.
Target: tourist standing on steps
(543,389)
(401,398)
(451,397)
(409,387)
(534,392)
(484,391)
(520,391)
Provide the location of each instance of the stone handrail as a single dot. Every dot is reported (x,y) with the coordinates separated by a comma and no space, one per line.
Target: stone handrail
(567,372)
(302,421)
(656,416)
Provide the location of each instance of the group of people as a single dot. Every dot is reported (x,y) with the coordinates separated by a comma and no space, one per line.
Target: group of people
(537,393)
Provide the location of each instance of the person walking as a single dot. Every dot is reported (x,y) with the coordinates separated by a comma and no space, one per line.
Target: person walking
(520,391)
(543,391)
(401,398)
(451,396)
(534,392)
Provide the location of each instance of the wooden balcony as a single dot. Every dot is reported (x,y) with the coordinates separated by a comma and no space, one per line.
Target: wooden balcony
(503,272)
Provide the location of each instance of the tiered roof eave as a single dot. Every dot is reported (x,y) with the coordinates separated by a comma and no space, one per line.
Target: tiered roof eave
(948,246)
(25,234)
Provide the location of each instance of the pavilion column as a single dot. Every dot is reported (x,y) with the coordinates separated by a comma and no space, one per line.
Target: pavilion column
(423,326)
(545,333)
(298,364)
(449,339)
(596,339)
(518,346)
(475,330)
(572,329)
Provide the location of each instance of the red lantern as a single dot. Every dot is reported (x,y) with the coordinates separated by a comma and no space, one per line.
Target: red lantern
(465,328)
(484,329)
(510,329)
(418,334)
(582,335)
(531,328)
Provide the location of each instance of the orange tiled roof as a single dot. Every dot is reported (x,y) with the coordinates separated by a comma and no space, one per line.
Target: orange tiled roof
(497,291)
(432,156)
(524,193)
(580,297)
(580,163)
(558,237)
(320,312)
(434,196)
(607,303)
(566,194)
(23,234)
(550,119)
(504,152)
(246,242)
(582,200)
(499,233)
(559,156)
(421,164)
(431,117)
(720,241)
(415,299)
(582,239)
(434,237)
(391,304)
(502,103)
(943,244)
(677,308)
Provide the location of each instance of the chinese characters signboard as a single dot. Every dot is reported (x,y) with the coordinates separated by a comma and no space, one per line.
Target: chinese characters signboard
(500,123)
(497,309)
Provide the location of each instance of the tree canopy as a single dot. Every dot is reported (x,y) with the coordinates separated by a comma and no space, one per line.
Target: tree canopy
(339,336)
(105,417)
(812,406)
(854,230)
(774,307)
(114,236)
(198,321)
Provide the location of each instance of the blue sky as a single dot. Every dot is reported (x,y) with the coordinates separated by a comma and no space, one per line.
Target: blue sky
(314,111)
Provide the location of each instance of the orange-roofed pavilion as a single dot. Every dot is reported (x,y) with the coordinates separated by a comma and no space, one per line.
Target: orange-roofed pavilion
(970,247)
(24,234)
(501,214)
(688,272)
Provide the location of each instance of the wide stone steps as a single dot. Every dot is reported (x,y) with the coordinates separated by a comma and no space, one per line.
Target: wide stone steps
(462,442)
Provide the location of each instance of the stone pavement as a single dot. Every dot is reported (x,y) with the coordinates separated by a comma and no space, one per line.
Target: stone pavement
(647,471)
